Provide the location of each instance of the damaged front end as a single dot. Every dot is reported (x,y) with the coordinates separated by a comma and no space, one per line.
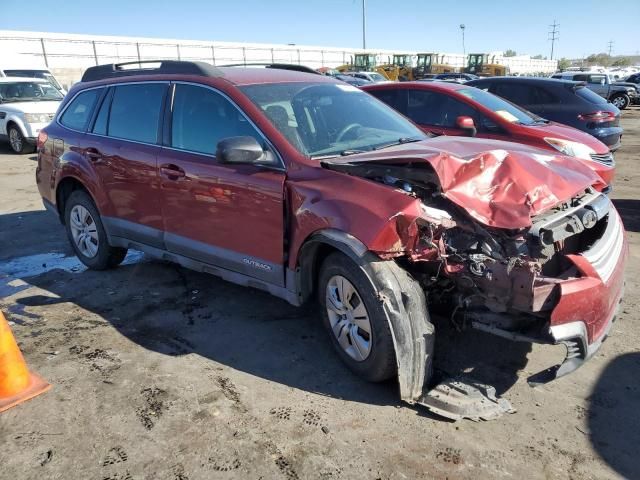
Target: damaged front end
(510,265)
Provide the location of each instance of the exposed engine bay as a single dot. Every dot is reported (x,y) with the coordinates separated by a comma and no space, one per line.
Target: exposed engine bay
(498,280)
(484,272)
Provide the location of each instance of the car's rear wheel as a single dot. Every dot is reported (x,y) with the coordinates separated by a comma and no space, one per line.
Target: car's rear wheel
(17,142)
(355,319)
(87,235)
(621,101)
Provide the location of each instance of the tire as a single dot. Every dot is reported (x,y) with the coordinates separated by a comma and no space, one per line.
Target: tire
(17,142)
(380,361)
(91,246)
(620,100)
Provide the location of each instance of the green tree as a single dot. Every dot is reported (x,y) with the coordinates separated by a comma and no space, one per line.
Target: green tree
(599,59)
(537,57)
(564,63)
(510,53)
(622,62)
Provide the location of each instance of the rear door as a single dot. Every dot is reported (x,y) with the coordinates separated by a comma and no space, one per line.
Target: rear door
(123,147)
(231,216)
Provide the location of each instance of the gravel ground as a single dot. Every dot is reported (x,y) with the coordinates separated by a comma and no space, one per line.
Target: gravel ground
(162,373)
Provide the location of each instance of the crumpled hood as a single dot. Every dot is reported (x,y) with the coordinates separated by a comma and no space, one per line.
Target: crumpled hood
(500,184)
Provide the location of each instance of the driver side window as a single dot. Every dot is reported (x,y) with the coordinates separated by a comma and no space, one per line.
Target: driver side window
(432,108)
(202,117)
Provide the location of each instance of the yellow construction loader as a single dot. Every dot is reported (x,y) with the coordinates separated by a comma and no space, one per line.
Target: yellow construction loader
(431,63)
(480,64)
(367,62)
(400,68)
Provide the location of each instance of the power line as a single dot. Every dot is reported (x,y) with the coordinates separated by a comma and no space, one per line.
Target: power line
(610,45)
(553,35)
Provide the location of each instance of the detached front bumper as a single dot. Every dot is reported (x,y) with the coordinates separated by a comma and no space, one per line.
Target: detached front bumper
(588,305)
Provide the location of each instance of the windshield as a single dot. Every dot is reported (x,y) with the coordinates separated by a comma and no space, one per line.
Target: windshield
(324,120)
(44,74)
(376,77)
(28,92)
(505,109)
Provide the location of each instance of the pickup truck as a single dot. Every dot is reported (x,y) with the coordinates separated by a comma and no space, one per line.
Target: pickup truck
(618,93)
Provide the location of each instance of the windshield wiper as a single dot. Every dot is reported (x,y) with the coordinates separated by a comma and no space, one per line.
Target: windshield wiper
(344,153)
(400,141)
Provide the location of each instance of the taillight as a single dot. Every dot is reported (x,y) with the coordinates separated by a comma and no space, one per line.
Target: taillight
(597,117)
(42,138)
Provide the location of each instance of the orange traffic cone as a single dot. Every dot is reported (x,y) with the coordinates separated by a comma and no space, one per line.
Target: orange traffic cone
(16,383)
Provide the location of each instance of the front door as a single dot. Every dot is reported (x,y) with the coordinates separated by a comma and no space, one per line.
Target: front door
(231,216)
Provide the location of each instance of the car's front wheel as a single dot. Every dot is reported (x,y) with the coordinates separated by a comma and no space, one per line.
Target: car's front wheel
(355,319)
(87,235)
(17,142)
(621,101)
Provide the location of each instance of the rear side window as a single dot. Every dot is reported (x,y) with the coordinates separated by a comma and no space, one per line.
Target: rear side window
(590,96)
(135,112)
(76,116)
(518,94)
(542,96)
(202,117)
(597,79)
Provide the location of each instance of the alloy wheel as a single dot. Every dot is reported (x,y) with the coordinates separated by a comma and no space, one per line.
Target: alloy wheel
(348,317)
(618,102)
(84,231)
(15,140)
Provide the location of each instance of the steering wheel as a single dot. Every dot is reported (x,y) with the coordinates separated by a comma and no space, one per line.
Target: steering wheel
(342,133)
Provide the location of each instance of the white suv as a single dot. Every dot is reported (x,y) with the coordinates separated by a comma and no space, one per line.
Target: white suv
(26,106)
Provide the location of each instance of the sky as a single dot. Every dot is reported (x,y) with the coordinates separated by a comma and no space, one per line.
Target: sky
(585,26)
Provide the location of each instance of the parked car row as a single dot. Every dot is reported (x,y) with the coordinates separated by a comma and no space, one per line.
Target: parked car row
(310,188)
(26,106)
(441,108)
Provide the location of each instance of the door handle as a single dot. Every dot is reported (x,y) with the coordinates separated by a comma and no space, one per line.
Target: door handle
(93,154)
(173,172)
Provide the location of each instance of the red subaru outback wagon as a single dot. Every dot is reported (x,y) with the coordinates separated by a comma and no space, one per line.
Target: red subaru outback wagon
(304,186)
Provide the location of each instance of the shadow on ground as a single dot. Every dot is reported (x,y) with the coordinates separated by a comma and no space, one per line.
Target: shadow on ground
(630,212)
(614,415)
(165,308)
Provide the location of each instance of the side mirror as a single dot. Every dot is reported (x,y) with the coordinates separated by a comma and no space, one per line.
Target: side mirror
(467,124)
(245,150)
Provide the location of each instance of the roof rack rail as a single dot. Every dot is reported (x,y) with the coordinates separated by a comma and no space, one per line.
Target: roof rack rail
(280,66)
(115,70)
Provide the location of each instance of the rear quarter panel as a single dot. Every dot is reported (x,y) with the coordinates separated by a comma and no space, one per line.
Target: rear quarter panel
(60,159)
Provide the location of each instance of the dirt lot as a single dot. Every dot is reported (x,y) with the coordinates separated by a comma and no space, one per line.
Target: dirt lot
(163,373)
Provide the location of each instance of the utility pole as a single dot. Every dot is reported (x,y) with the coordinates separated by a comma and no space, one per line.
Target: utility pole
(553,35)
(610,45)
(364,24)
(464,51)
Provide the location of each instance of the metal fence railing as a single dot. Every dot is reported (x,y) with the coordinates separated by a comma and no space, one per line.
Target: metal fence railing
(81,53)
